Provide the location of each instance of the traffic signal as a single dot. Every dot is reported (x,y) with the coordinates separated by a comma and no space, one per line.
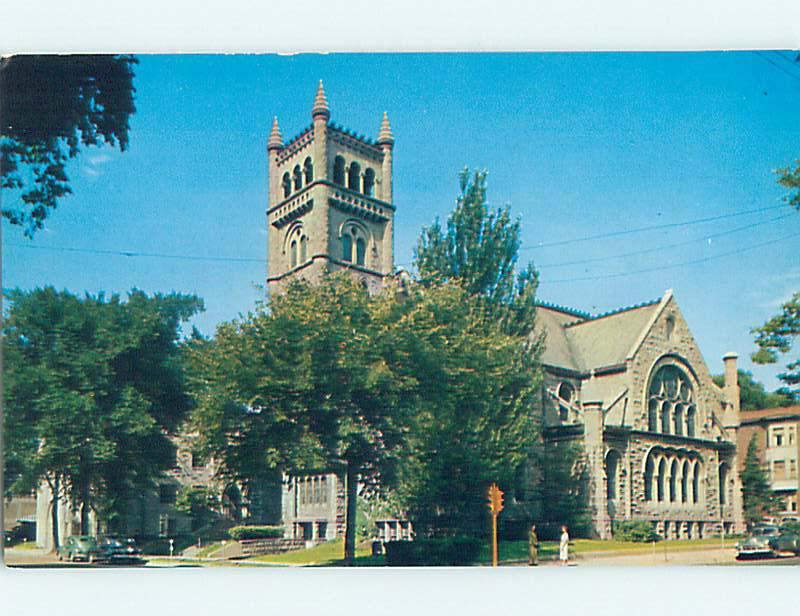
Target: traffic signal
(495,499)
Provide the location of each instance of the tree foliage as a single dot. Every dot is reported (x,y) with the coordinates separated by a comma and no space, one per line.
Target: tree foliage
(51,106)
(789,178)
(92,385)
(753,395)
(479,250)
(758,498)
(777,336)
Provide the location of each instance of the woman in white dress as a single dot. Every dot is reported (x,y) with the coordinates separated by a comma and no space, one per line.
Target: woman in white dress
(563,549)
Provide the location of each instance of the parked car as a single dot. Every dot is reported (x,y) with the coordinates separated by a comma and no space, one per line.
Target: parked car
(80,547)
(768,540)
(120,551)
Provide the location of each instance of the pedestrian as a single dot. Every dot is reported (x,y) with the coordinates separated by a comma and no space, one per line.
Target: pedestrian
(533,547)
(563,548)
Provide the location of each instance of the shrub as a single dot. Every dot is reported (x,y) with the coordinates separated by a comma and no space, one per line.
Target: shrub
(440,551)
(639,531)
(256,532)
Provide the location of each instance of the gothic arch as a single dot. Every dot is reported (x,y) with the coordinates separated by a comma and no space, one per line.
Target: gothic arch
(356,238)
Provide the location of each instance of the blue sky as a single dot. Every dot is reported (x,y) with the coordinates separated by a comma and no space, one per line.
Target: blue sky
(577,144)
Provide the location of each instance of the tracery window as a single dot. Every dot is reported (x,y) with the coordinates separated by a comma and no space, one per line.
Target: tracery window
(566,393)
(297,245)
(671,395)
(354,244)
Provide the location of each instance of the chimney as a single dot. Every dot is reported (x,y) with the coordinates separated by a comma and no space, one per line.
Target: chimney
(731,386)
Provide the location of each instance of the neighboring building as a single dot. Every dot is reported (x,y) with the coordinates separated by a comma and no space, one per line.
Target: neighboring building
(659,436)
(776,432)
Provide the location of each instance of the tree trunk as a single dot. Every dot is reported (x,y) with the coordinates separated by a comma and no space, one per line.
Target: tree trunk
(54,489)
(350,519)
(85,510)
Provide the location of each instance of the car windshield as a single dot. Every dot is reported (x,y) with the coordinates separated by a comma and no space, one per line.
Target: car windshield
(765,530)
(85,540)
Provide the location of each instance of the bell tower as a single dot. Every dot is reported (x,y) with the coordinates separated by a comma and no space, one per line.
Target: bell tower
(330,202)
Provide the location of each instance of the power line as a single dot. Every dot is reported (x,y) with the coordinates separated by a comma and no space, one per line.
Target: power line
(674,265)
(665,247)
(131,253)
(778,66)
(670,225)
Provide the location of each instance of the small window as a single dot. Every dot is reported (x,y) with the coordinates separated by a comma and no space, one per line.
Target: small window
(369,182)
(308,170)
(670,326)
(287,185)
(338,171)
(354,177)
(298,178)
(777,437)
(347,247)
(566,392)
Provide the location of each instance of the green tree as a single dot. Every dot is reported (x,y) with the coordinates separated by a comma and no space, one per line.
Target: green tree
(307,385)
(758,498)
(91,387)
(51,106)
(472,425)
(479,250)
(753,395)
(562,489)
(199,503)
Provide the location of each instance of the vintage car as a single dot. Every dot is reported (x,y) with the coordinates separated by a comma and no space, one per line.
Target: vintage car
(768,540)
(80,547)
(118,551)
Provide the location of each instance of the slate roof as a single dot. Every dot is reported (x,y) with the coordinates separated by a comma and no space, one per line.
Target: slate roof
(581,342)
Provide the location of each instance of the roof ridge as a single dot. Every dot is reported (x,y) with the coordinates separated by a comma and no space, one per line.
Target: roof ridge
(565,309)
(617,311)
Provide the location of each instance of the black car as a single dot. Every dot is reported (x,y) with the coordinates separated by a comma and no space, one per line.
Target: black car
(120,551)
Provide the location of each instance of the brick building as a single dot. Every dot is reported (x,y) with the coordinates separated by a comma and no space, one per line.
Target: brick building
(776,432)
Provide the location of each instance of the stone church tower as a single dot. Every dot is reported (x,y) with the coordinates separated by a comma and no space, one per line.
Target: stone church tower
(330,202)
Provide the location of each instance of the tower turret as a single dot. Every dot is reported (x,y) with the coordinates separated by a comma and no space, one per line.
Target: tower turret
(386,142)
(274,146)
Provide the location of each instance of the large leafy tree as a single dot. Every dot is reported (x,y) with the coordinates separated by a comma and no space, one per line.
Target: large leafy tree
(753,394)
(758,498)
(92,387)
(315,382)
(50,107)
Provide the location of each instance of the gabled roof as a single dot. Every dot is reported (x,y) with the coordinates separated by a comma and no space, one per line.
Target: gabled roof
(582,342)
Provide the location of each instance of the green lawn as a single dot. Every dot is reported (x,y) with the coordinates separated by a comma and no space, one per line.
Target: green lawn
(328,553)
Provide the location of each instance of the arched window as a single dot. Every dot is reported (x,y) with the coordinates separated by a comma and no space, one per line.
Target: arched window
(665,413)
(338,171)
(308,170)
(613,459)
(369,182)
(662,472)
(293,252)
(347,247)
(361,251)
(652,415)
(566,392)
(723,484)
(690,421)
(298,178)
(669,387)
(678,419)
(685,482)
(303,249)
(354,177)
(287,185)
(696,483)
(673,478)
(649,471)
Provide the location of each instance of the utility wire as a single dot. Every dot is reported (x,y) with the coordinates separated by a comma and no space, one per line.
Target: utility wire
(130,253)
(665,247)
(670,225)
(776,65)
(675,265)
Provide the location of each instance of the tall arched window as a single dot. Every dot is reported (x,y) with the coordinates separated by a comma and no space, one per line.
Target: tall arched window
(691,415)
(662,472)
(649,471)
(723,484)
(298,178)
(347,247)
(293,252)
(303,249)
(696,483)
(685,482)
(354,177)
(673,478)
(369,181)
(361,250)
(287,185)
(652,415)
(338,171)
(670,387)
(308,170)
